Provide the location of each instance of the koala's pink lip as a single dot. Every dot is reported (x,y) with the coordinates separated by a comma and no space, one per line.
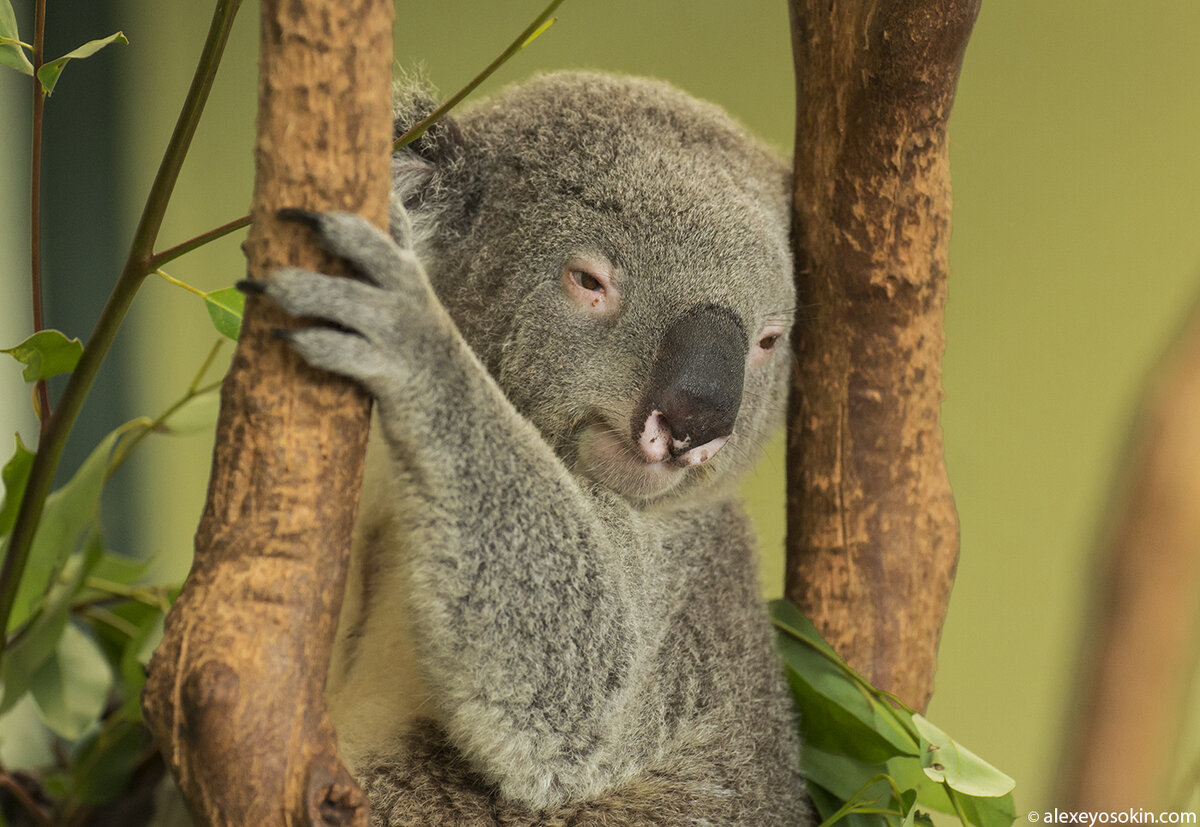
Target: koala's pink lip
(608,456)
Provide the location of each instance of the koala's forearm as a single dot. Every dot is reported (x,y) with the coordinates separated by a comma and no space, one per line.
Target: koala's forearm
(537,657)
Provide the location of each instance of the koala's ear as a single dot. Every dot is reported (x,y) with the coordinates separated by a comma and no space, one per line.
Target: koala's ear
(431,176)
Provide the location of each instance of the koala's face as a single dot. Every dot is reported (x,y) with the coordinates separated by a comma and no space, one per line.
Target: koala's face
(621,265)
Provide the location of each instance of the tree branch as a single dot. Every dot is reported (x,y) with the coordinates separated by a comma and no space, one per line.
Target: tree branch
(235,693)
(872,532)
(1141,635)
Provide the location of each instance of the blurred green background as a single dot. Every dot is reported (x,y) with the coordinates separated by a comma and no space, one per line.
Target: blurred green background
(1075,256)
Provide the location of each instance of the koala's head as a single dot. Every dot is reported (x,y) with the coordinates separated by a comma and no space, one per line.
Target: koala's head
(616,252)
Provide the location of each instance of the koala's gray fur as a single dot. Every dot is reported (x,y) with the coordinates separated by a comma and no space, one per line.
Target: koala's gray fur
(543,627)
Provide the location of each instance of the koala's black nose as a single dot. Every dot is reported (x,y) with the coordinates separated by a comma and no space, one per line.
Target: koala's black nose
(695,388)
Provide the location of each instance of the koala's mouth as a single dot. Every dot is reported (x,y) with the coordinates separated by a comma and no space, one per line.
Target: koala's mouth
(607,456)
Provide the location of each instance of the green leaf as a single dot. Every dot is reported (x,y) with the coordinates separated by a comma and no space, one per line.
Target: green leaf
(945,760)
(786,616)
(908,801)
(46,353)
(38,641)
(68,515)
(11,53)
(102,764)
(989,812)
(15,476)
(118,568)
(50,71)
(134,661)
(225,308)
(72,687)
(836,717)
(841,776)
(931,795)
(836,712)
(827,804)
(25,744)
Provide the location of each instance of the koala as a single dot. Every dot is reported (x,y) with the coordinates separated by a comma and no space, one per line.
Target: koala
(576,336)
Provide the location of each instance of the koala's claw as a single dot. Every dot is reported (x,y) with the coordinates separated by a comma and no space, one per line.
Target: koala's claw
(306,217)
(252,287)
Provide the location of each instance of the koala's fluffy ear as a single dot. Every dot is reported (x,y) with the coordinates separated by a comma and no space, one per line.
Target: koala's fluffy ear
(431,176)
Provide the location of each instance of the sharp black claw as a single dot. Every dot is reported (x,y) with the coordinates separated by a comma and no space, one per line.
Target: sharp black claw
(306,217)
(253,287)
(283,333)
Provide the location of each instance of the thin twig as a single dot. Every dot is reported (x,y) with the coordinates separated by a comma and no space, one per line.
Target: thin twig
(532,30)
(35,203)
(171,253)
(22,795)
(137,267)
(124,449)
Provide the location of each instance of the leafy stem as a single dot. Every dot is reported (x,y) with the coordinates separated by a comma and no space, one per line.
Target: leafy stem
(137,267)
(854,804)
(148,426)
(178,283)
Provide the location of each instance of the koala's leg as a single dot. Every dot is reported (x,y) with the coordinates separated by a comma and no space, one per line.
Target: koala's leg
(520,597)
(431,784)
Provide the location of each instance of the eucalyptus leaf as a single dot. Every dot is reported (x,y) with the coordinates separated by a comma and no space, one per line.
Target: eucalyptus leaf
(134,661)
(944,759)
(786,616)
(827,722)
(839,775)
(104,762)
(828,804)
(68,515)
(226,307)
(11,53)
(24,742)
(49,73)
(15,476)
(831,701)
(38,641)
(117,568)
(46,353)
(989,812)
(72,687)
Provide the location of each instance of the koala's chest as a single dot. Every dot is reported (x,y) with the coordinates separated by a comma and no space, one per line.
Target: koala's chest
(375,687)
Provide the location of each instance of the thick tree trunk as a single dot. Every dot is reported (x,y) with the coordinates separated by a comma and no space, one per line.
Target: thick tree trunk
(872,531)
(235,694)
(1141,649)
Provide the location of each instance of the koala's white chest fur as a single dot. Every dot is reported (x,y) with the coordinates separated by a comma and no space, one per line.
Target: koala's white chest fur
(375,687)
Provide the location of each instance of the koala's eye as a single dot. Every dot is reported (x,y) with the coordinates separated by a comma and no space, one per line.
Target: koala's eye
(768,337)
(587,281)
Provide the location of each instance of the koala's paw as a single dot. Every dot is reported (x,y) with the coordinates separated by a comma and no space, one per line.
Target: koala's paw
(372,323)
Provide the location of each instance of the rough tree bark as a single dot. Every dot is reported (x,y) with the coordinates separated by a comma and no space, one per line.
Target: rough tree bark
(872,532)
(235,694)
(1141,648)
